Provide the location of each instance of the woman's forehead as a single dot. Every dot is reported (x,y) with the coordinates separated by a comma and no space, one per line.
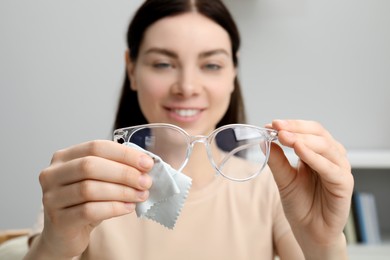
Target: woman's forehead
(190,31)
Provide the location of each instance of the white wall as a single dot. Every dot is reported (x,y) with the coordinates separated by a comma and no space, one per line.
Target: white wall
(322,60)
(61,67)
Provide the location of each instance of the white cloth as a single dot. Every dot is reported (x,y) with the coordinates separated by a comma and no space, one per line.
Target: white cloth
(14,249)
(168,192)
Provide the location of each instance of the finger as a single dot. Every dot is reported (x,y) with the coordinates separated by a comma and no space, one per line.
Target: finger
(283,172)
(89,213)
(311,134)
(321,145)
(108,150)
(90,191)
(94,168)
(314,160)
(328,171)
(300,126)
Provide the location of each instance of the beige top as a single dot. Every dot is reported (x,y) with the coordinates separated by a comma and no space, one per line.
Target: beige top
(225,220)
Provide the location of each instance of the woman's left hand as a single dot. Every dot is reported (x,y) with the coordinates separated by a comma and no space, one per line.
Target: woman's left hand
(316,193)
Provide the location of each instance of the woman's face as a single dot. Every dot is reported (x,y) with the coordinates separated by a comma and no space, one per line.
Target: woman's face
(184,74)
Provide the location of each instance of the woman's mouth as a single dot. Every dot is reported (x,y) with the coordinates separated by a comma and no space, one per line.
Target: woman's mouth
(186,112)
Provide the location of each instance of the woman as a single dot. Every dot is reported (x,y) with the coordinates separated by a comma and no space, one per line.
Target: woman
(182,70)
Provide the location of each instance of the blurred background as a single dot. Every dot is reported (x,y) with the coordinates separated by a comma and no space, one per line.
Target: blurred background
(62,65)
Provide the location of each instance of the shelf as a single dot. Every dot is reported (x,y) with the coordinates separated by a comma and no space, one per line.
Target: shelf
(369,159)
(377,252)
(362,159)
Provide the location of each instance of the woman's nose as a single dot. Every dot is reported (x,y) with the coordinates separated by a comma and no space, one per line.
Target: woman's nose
(187,83)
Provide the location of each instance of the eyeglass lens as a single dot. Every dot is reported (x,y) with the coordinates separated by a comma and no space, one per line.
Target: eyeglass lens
(238,152)
(242,152)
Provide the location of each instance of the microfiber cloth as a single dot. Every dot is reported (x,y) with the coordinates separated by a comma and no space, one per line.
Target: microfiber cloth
(167,195)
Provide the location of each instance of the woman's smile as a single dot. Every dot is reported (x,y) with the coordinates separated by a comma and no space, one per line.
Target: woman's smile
(184,114)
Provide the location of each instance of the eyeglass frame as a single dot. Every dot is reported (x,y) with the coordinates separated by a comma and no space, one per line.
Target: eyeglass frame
(269,135)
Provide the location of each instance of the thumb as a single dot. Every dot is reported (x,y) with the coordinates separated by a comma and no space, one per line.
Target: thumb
(280,166)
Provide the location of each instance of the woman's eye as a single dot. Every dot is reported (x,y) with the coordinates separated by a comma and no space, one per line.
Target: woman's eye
(212,66)
(162,65)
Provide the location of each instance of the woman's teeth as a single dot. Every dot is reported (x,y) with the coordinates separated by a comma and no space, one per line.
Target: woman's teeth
(186,112)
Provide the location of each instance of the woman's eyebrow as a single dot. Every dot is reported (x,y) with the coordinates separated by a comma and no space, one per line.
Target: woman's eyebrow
(172,54)
(162,51)
(213,52)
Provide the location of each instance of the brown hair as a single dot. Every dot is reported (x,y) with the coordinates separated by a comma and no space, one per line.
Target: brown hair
(129,112)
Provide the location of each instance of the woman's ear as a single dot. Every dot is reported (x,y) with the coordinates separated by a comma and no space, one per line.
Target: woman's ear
(130,66)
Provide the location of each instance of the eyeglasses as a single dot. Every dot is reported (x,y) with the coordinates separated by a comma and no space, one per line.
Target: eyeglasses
(238,152)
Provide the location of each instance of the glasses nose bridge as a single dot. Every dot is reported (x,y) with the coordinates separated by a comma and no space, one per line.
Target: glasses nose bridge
(198,139)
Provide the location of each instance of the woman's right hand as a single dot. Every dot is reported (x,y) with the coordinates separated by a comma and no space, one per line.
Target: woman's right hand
(84,185)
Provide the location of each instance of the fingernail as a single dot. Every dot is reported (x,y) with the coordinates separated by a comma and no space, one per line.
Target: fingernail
(146,162)
(288,134)
(143,195)
(130,206)
(145,181)
(280,122)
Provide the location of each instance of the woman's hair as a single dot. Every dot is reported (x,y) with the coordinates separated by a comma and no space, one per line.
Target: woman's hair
(129,112)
